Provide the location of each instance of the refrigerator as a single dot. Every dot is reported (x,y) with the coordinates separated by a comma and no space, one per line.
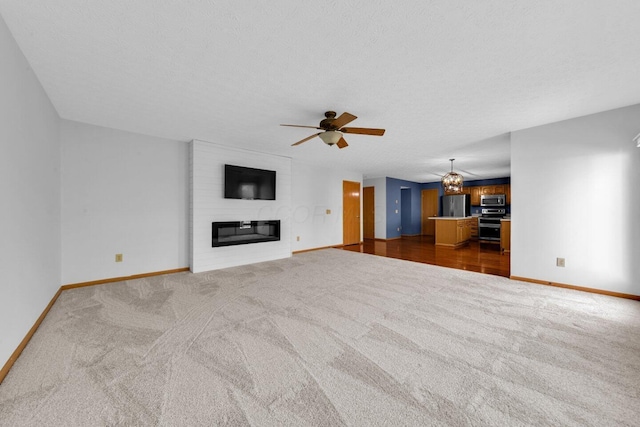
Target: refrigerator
(458,205)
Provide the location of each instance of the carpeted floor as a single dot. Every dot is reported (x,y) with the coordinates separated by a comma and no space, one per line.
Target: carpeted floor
(329,338)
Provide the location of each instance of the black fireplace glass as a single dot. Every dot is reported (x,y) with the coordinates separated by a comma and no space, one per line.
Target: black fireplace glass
(231,233)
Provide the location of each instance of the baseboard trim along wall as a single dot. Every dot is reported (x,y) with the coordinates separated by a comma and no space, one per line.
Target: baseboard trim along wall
(323,247)
(123,278)
(578,288)
(317,249)
(7,366)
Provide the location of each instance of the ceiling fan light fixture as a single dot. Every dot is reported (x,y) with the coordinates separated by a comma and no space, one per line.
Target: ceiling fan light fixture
(330,137)
(452,182)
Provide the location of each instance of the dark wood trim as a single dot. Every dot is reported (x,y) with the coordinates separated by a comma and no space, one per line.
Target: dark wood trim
(338,246)
(393,238)
(317,249)
(7,366)
(120,279)
(577,288)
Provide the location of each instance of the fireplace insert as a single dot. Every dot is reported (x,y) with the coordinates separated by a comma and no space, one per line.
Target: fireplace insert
(242,232)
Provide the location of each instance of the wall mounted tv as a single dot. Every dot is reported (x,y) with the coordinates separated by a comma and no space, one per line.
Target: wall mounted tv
(249,183)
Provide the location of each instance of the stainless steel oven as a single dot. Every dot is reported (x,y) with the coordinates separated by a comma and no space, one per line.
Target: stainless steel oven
(489,224)
(493,200)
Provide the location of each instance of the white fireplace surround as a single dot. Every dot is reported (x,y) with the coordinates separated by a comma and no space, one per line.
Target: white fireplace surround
(208,205)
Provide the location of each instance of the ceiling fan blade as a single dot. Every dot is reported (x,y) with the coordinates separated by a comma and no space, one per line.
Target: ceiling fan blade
(342,143)
(364,131)
(306,139)
(343,120)
(303,126)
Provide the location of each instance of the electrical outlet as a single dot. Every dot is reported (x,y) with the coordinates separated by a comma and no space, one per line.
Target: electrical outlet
(560,262)
(118,257)
(298,238)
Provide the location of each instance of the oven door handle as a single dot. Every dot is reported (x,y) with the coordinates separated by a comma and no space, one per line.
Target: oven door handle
(489,225)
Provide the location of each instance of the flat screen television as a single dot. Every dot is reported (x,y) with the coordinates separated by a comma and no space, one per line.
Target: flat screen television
(248,183)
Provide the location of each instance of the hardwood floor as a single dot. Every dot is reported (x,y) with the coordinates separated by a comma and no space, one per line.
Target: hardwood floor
(480,257)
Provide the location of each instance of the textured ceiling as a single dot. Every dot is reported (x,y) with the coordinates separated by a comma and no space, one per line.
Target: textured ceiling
(445,78)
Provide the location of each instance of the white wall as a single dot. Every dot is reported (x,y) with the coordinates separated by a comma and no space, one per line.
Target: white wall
(30,204)
(575,195)
(380,196)
(122,193)
(314,190)
(209,205)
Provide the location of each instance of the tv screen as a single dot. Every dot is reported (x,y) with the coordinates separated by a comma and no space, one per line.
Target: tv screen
(249,183)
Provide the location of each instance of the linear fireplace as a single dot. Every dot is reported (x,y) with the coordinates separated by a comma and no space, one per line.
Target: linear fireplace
(242,232)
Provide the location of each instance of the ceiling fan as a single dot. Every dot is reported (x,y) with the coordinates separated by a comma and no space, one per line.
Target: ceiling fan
(332,129)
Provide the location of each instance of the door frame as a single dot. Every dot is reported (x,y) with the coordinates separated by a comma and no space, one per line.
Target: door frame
(369,215)
(350,193)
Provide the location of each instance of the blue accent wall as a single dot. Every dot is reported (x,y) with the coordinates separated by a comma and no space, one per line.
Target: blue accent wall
(405,212)
(408,195)
(494,181)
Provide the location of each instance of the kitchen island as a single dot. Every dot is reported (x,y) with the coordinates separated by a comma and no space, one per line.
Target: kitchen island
(453,231)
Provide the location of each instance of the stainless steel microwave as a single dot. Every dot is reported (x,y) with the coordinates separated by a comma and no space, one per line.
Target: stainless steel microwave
(493,200)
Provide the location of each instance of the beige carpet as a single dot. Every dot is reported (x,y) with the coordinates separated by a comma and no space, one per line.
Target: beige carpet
(329,338)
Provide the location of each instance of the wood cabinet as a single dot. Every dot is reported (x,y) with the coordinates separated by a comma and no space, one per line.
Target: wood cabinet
(473,225)
(505,236)
(499,189)
(475,195)
(477,191)
(459,231)
(494,189)
(453,232)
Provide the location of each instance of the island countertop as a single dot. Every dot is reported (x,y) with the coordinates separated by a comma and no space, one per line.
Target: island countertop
(452,217)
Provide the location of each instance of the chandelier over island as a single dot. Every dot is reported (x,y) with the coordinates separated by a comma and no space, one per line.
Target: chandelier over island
(452,182)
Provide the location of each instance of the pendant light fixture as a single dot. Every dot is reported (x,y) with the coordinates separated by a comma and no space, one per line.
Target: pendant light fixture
(330,137)
(452,182)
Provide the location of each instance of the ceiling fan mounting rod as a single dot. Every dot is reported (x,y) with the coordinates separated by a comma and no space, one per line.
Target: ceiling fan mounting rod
(326,124)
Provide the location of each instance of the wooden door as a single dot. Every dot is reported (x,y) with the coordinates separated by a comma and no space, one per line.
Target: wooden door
(369,212)
(350,213)
(429,208)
